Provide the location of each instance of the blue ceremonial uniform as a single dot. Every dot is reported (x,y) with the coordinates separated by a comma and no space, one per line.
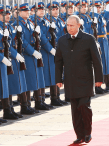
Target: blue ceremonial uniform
(48,58)
(17,81)
(4,92)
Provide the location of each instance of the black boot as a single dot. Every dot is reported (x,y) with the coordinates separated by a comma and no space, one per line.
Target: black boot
(54,99)
(38,101)
(3,121)
(7,111)
(12,109)
(58,96)
(99,90)
(43,98)
(24,107)
(1,105)
(29,102)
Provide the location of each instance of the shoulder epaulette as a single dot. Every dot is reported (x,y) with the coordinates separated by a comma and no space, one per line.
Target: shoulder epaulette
(23,21)
(31,21)
(47,19)
(62,20)
(82,16)
(89,16)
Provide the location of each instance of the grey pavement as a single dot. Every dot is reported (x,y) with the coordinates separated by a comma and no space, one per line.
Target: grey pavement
(33,128)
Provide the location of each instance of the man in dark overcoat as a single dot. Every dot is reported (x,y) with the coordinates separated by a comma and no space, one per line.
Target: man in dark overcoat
(78,53)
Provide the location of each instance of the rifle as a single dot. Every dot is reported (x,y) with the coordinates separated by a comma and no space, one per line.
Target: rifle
(5,42)
(60,9)
(19,40)
(52,30)
(37,38)
(13,11)
(67,2)
(94,24)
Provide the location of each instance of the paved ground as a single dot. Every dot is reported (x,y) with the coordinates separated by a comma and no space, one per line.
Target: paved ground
(31,129)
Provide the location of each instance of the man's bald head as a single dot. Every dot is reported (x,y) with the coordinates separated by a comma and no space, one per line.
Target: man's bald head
(74,17)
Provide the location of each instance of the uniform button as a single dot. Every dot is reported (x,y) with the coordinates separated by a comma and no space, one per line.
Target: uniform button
(43,24)
(71,50)
(48,37)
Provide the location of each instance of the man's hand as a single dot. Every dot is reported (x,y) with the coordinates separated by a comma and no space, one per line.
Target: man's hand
(98,84)
(59,85)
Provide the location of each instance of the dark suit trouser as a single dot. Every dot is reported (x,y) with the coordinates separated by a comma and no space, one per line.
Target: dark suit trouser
(81,116)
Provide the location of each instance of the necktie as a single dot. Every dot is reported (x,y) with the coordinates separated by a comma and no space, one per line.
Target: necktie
(73,37)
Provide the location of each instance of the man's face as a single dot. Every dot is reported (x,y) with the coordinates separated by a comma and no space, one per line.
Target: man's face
(32,11)
(7,18)
(83,9)
(55,12)
(41,13)
(72,26)
(98,9)
(63,9)
(15,13)
(24,14)
(70,10)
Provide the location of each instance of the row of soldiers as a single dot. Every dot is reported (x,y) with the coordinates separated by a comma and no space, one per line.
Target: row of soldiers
(31,37)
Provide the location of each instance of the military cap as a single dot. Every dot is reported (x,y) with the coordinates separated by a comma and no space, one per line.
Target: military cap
(8,9)
(24,7)
(63,4)
(83,2)
(98,3)
(106,1)
(54,5)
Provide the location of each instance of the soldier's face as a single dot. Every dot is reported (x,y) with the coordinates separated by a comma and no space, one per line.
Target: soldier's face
(55,12)
(32,12)
(63,9)
(72,26)
(83,9)
(24,14)
(70,10)
(41,13)
(98,9)
(7,18)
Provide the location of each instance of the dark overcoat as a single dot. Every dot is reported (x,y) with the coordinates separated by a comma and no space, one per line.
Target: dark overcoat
(79,57)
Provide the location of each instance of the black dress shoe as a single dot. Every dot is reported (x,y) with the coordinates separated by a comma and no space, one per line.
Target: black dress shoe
(16,102)
(48,105)
(47,95)
(79,140)
(56,102)
(88,138)
(99,90)
(40,106)
(18,115)
(67,99)
(10,116)
(32,99)
(26,111)
(32,109)
(63,102)
(3,121)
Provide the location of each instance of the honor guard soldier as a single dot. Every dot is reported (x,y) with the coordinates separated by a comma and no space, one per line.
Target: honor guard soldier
(16,81)
(102,39)
(5,65)
(105,14)
(60,27)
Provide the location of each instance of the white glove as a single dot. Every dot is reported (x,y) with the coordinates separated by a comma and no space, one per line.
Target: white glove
(53,51)
(53,25)
(98,45)
(6,32)
(37,55)
(19,28)
(37,29)
(20,58)
(6,61)
(107,7)
(82,21)
(95,20)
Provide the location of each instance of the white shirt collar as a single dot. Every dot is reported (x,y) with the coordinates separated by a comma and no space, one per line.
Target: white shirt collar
(75,34)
